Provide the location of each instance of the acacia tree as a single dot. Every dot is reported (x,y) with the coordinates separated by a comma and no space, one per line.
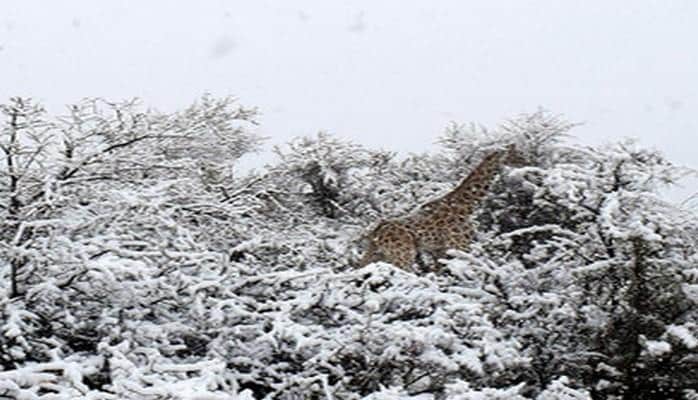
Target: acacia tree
(147,270)
(587,265)
(99,201)
(25,142)
(53,165)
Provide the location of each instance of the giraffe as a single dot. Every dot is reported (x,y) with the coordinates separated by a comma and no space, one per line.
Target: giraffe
(438,225)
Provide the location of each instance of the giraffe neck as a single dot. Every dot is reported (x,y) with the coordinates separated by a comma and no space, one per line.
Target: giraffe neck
(470,192)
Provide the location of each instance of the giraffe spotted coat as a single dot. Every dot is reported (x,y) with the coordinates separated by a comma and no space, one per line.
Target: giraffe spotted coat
(439,225)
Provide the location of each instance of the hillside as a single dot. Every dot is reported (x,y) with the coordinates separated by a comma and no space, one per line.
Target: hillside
(135,263)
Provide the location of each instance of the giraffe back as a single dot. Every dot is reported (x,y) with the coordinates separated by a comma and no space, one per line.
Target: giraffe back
(438,225)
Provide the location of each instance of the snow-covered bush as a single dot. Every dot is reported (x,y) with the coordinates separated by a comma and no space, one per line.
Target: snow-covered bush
(587,260)
(135,264)
(96,219)
(332,174)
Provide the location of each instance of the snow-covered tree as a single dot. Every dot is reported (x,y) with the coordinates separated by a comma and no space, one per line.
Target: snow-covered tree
(99,213)
(587,263)
(136,264)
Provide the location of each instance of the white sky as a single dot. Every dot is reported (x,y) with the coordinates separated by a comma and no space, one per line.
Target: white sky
(389,73)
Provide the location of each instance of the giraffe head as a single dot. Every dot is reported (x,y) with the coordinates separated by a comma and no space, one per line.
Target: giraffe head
(513,157)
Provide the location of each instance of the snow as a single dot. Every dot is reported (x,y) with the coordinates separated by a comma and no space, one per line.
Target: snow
(559,389)
(153,272)
(657,348)
(683,334)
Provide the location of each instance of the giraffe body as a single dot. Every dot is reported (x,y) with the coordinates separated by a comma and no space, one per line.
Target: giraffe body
(393,242)
(438,225)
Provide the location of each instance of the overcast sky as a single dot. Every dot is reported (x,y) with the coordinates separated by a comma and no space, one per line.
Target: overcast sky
(388,73)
